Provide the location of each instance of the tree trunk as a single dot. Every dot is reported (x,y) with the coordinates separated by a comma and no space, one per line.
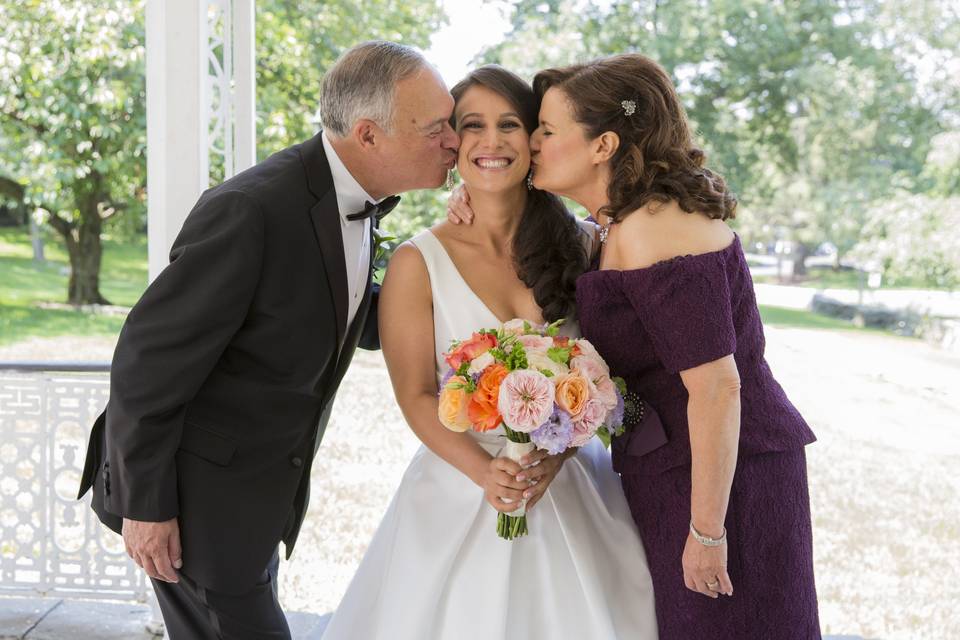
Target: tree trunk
(85,255)
(82,239)
(800,260)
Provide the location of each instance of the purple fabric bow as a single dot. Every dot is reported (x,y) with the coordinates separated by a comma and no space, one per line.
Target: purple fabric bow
(639,440)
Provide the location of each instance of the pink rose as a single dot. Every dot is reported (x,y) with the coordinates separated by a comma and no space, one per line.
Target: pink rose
(515,326)
(596,370)
(533,342)
(592,367)
(526,400)
(586,424)
(582,347)
(607,393)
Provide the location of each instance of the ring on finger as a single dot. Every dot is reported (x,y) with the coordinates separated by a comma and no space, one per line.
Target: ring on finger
(714,585)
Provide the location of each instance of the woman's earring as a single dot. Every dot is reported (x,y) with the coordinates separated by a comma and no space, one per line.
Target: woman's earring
(530,180)
(449,183)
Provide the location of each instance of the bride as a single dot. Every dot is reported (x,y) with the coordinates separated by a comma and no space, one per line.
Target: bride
(436,568)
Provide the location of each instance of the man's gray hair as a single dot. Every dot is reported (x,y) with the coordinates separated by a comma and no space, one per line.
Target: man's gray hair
(362,84)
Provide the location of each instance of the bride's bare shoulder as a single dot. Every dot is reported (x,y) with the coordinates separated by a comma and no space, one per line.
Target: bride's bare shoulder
(407,269)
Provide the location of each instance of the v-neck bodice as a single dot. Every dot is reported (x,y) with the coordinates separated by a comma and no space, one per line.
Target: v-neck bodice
(457,310)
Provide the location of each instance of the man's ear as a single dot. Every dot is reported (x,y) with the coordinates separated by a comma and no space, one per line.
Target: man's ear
(366,133)
(605,146)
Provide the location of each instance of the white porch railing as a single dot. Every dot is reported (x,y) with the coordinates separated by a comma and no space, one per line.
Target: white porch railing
(53,545)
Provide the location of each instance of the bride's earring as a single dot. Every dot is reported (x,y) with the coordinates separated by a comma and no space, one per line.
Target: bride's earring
(530,180)
(450,181)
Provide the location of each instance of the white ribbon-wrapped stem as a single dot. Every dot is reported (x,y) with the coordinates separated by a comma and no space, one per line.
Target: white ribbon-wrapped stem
(515,451)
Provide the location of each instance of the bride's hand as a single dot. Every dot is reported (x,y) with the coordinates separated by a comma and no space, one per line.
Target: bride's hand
(539,476)
(500,481)
(458,206)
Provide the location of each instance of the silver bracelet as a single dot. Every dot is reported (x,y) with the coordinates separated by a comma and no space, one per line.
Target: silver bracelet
(707,541)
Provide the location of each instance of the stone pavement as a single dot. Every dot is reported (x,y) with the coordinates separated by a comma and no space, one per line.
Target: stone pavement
(56,619)
(68,619)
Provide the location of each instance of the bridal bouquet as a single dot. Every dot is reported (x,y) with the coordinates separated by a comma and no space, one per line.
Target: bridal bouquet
(547,391)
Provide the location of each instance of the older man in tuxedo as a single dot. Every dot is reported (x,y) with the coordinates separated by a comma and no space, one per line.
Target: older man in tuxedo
(226,369)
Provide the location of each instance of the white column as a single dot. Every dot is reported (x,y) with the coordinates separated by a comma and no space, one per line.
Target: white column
(200,101)
(245,77)
(177,165)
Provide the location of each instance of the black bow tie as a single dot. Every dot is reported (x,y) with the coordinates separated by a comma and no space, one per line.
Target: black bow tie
(371,210)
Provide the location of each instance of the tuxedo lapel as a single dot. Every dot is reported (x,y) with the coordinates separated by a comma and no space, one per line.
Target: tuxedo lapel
(326,227)
(325,217)
(349,345)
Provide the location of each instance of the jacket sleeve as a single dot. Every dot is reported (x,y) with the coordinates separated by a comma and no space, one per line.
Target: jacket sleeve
(170,342)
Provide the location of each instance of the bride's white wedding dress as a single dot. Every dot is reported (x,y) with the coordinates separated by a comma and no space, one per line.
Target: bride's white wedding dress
(436,569)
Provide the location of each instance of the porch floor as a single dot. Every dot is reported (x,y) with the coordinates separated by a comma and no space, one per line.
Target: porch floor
(24,618)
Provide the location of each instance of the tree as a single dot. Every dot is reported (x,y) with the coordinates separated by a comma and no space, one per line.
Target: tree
(913,241)
(72,109)
(72,101)
(297,43)
(295,47)
(810,109)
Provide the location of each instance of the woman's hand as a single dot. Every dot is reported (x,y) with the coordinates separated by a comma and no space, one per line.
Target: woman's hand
(540,468)
(504,480)
(458,206)
(705,568)
(500,485)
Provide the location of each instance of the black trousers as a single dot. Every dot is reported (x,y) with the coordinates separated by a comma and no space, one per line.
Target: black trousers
(191,612)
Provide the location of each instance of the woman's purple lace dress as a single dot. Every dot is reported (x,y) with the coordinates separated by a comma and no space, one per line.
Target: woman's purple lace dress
(650,324)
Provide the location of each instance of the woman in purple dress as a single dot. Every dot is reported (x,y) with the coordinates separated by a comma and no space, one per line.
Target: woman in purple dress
(713,465)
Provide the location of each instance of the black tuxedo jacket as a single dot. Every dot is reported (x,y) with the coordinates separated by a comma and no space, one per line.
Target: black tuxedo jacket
(226,370)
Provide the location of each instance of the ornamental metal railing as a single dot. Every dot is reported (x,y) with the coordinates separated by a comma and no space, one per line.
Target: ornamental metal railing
(52,544)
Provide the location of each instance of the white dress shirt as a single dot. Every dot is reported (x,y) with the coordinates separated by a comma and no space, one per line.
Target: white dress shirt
(351,198)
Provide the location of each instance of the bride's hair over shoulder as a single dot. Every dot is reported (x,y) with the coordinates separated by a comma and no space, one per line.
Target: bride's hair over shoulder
(547,251)
(632,96)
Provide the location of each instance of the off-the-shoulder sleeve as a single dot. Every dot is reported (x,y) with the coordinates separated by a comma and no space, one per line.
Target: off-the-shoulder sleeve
(685,306)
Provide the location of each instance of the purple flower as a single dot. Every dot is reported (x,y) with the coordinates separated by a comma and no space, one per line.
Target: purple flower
(445,379)
(615,419)
(555,434)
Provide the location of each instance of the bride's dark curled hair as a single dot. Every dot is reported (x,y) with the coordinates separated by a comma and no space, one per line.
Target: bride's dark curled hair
(656,160)
(548,254)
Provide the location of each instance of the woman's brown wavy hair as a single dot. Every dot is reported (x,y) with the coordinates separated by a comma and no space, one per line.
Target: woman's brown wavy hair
(547,252)
(657,159)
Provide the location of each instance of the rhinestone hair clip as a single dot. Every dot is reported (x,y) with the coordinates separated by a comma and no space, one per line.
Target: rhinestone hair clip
(629,107)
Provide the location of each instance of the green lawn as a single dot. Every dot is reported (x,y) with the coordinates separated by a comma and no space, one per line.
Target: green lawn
(796,318)
(25,285)
(821,278)
(826,278)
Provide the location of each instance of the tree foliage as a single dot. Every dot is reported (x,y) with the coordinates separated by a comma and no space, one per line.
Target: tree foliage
(72,119)
(72,101)
(816,112)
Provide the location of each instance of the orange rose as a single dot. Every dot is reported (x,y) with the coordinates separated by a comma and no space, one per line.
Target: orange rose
(482,410)
(478,344)
(573,392)
(452,409)
(561,341)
